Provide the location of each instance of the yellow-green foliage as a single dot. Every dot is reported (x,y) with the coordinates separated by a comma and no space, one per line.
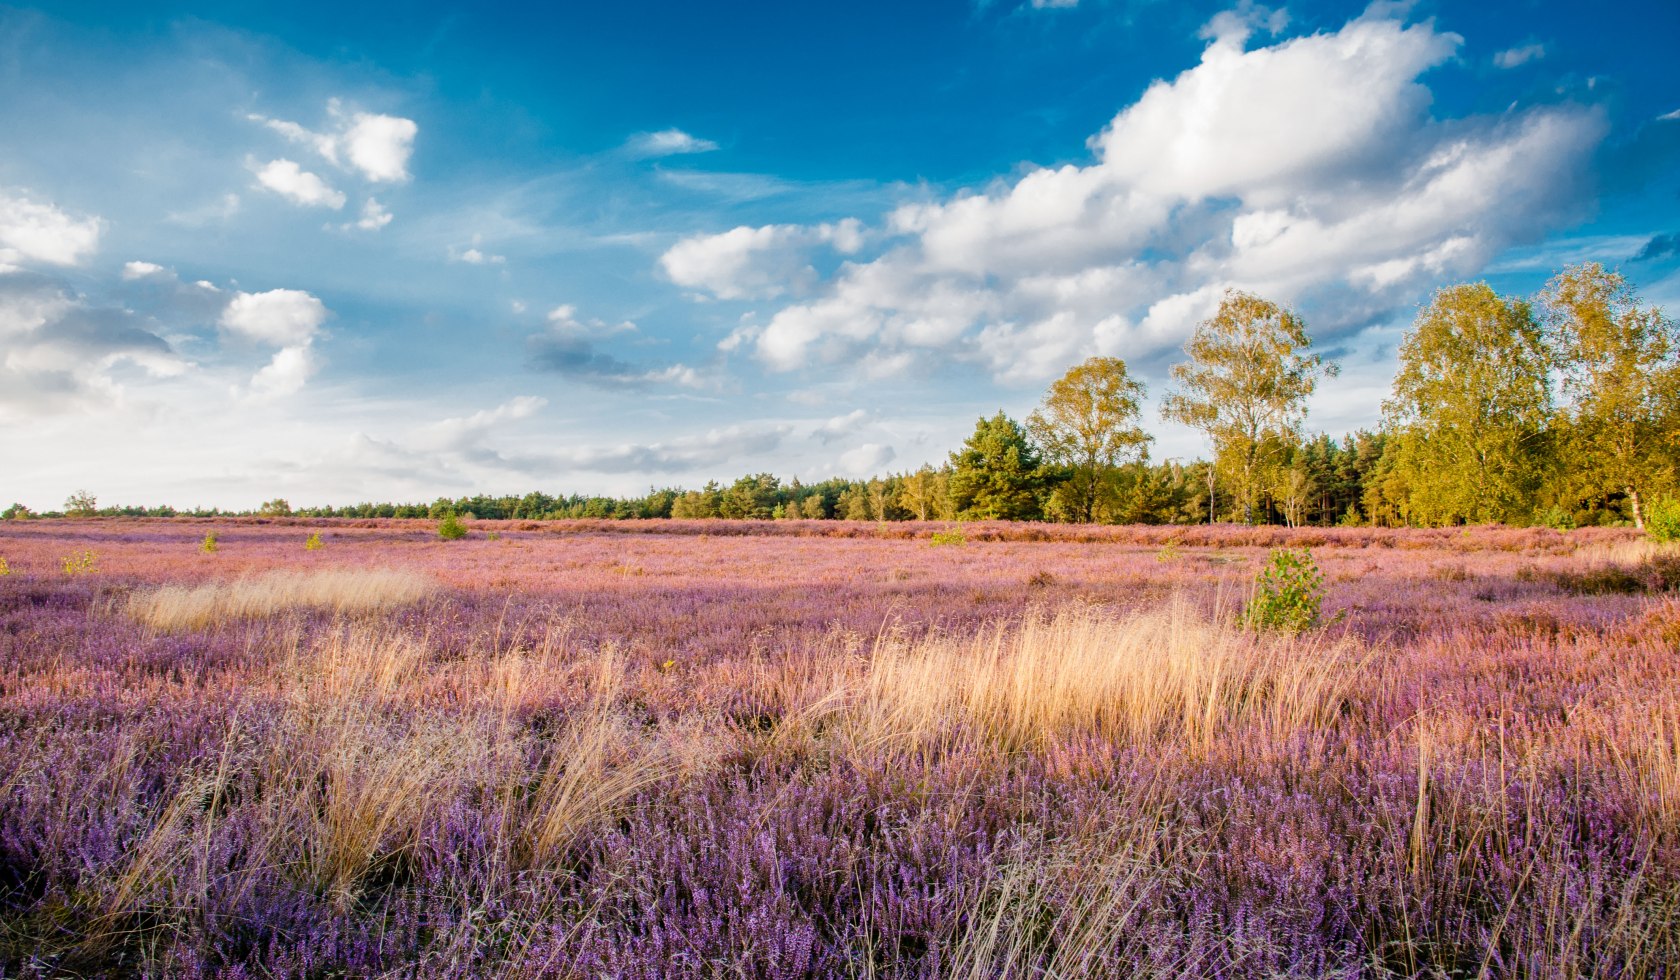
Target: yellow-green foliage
(208,545)
(314,542)
(83,562)
(5,569)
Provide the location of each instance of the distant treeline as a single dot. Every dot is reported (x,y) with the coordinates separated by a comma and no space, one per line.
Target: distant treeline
(1562,409)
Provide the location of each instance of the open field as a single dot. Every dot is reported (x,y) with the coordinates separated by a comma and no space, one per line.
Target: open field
(827,749)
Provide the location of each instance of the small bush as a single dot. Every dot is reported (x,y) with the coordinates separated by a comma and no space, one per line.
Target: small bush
(208,545)
(83,562)
(1663,521)
(955,536)
(1287,593)
(314,542)
(5,569)
(1556,518)
(1169,552)
(451,528)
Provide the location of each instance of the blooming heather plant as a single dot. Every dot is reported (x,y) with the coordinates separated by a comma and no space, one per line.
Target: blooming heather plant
(1287,593)
(903,762)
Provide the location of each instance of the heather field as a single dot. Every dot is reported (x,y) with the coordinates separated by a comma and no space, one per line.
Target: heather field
(830,749)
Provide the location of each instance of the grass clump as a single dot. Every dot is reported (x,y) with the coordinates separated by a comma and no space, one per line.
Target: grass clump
(1287,593)
(342,591)
(451,528)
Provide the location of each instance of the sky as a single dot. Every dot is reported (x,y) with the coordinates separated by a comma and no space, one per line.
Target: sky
(336,254)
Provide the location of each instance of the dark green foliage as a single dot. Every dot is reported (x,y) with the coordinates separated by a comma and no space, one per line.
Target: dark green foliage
(1287,593)
(997,474)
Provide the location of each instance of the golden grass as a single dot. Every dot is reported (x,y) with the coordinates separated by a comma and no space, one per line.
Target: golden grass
(346,591)
(1171,673)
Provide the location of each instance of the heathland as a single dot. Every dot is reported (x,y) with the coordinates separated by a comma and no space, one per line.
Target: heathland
(833,749)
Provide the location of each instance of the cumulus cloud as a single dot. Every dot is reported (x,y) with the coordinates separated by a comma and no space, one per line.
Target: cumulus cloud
(59,352)
(1309,170)
(143,270)
(290,319)
(571,346)
(295,184)
(375,145)
(468,432)
(34,231)
(763,262)
(283,317)
(667,142)
(473,255)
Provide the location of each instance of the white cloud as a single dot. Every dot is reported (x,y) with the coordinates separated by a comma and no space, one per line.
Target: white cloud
(763,262)
(286,373)
(283,317)
(295,184)
(467,432)
(840,426)
(1309,170)
(31,231)
(1670,116)
(374,217)
(59,353)
(1520,55)
(376,145)
(667,142)
(142,270)
(866,460)
(474,255)
(379,146)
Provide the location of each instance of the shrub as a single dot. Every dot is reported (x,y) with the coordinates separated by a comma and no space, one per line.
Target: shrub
(5,569)
(954,536)
(1663,521)
(1287,593)
(208,545)
(451,528)
(314,542)
(1168,552)
(83,562)
(1557,518)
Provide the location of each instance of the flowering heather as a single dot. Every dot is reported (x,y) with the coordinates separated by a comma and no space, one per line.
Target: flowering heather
(791,749)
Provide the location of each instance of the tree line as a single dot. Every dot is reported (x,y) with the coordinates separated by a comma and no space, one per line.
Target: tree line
(1560,409)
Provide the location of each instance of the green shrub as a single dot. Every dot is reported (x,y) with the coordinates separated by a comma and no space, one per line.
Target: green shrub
(208,545)
(949,537)
(314,542)
(1287,593)
(5,569)
(1557,518)
(1663,521)
(1168,552)
(451,528)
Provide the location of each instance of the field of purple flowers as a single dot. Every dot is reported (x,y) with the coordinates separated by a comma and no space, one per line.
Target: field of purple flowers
(790,749)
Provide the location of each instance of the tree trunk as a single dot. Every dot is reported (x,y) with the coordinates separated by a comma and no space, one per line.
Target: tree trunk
(1638,512)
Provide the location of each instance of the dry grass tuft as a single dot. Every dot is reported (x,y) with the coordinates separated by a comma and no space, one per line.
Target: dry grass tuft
(1171,673)
(176,608)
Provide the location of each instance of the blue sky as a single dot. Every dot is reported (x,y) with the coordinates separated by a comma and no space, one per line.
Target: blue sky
(337,254)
